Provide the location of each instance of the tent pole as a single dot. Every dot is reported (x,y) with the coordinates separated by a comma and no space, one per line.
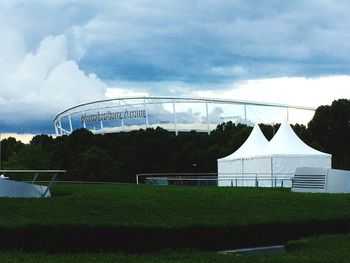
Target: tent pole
(243,182)
(271,171)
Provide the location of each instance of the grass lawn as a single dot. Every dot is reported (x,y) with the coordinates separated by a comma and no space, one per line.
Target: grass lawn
(170,206)
(149,218)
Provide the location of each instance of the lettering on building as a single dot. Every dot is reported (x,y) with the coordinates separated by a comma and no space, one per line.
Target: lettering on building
(109,115)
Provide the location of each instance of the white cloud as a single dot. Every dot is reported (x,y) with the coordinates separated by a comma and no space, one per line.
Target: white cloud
(124,92)
(12,50)
(297,91)
(46,82)
(311,92)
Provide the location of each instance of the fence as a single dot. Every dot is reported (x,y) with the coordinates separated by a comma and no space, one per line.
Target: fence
(212,179)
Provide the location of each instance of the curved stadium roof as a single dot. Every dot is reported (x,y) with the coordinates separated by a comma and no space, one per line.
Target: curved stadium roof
(178,114)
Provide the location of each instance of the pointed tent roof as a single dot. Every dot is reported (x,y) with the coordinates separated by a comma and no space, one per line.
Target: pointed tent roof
(252,146)
(286,141)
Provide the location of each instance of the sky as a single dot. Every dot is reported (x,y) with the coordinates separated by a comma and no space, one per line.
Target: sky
(60,53)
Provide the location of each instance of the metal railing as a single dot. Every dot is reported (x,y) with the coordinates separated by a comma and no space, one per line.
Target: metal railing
(35,174)
(230,179)
(144,175)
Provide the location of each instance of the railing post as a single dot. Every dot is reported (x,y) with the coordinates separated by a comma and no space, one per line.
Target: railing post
(275,181)
(137,178)
(35,177)
(236,182)
(282,183)
(49,185)
(256,181)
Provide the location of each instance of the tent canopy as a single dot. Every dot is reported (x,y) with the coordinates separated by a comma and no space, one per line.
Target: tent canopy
(278,158)
(251,147)
(286,142)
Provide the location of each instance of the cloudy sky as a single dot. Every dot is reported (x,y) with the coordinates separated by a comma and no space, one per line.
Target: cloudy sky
(59,53)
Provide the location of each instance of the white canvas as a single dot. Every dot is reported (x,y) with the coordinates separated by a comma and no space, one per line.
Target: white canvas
(270,162)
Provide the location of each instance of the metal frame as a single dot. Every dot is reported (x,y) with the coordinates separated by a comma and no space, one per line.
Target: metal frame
(231,177)
(154,100)
(36,174)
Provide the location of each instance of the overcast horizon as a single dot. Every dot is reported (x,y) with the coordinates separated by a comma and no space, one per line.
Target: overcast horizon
(57,54)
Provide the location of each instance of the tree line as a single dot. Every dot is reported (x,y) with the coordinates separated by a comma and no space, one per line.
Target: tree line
(120,156)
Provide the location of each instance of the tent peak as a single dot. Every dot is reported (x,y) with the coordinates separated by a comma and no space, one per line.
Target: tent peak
(286,141)
(252,146)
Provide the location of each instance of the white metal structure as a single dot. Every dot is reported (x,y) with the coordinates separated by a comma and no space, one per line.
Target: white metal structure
(277,158)
(172,113)
(210,179)
(321,180)
(12,188)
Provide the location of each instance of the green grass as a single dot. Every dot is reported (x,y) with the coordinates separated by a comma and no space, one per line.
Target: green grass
(335,248)
(154,206)
(148,218)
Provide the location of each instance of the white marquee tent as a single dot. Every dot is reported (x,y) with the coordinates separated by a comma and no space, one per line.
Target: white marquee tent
(233,165)
(269,162)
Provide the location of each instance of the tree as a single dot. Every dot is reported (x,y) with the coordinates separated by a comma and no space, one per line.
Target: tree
(45,141)
(96,165)
(81,140)
(329,131)
(10,146)
(32,157)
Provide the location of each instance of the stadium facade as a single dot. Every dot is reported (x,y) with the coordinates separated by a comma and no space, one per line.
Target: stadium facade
(176,114)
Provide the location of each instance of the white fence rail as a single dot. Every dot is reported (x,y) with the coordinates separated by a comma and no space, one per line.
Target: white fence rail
(235,180)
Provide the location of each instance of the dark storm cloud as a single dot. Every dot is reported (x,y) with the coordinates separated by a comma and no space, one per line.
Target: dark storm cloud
(168,47)
(194,41)
(211,41)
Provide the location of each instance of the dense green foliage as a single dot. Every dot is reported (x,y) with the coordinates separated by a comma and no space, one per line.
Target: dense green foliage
(119,157)
(335,248)
(329,130)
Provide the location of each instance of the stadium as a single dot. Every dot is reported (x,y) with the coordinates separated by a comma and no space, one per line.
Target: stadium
(175,114)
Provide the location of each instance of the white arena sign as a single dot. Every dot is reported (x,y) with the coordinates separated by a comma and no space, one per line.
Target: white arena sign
(174,114)
(113,115)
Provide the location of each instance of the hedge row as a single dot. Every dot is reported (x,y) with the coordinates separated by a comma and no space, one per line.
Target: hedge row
(65,238)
